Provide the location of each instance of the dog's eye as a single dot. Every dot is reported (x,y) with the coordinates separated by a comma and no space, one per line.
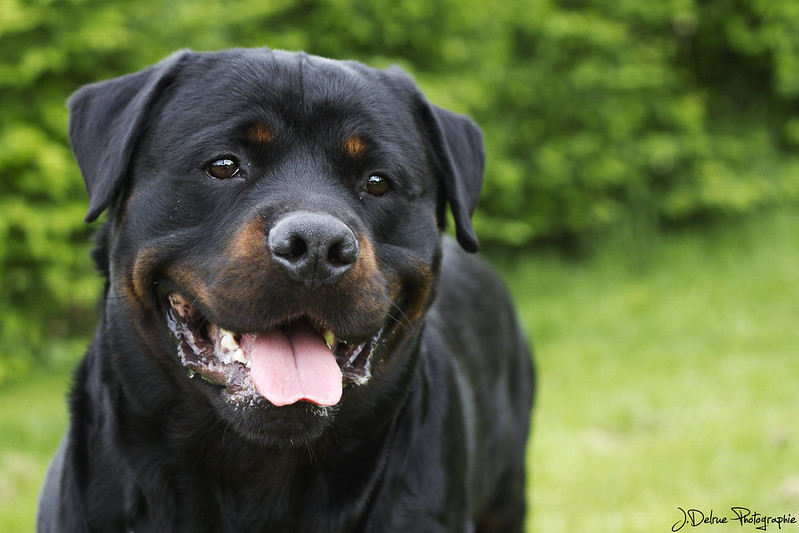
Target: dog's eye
(377,186)
(222,169)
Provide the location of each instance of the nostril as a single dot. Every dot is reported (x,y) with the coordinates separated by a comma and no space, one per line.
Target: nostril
(290,247)
(296,249)
(333,255)
(343,253)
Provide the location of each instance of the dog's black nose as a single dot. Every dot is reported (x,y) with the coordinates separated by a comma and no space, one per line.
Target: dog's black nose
(315,249)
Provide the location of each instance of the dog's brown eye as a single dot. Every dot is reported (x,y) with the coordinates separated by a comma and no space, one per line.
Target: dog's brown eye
(222,169)
(377,186)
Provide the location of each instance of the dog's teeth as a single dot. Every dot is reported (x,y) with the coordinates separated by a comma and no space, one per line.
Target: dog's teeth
(330,339)
(238,355)
(227,342)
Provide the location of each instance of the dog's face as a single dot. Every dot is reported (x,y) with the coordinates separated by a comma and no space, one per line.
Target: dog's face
(272,243)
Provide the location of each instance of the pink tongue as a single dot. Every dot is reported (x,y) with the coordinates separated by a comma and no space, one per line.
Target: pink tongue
(293,365)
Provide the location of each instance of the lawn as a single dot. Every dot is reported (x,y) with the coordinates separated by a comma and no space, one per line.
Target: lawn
(33,416)
(667,379)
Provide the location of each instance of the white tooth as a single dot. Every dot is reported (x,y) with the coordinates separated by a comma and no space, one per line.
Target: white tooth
(227,341)
(330,339)
(238,355)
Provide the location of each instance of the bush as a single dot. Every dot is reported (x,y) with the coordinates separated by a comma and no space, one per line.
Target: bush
(596,115)
(639,113)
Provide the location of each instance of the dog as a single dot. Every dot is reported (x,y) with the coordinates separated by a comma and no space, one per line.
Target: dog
(288,340)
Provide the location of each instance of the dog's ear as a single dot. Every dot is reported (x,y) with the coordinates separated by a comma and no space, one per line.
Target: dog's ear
(458,147)
(105,121)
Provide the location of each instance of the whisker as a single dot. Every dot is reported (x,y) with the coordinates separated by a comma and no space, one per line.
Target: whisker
(218,281)
(311,454)
(402,320)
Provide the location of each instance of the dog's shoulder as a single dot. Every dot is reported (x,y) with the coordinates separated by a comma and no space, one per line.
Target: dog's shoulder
(473,323)
(470,291)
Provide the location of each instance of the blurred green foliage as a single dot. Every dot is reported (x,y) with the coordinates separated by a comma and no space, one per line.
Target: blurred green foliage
(596,115)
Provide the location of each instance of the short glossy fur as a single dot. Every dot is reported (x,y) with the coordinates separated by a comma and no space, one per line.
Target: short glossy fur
(433,442)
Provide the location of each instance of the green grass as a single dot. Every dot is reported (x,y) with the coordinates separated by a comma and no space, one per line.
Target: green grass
(667,378)
(33,416)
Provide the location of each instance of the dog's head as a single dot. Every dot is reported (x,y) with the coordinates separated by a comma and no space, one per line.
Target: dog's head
(273,229)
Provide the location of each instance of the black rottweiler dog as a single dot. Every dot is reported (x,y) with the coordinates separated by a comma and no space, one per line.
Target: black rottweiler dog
(287,343)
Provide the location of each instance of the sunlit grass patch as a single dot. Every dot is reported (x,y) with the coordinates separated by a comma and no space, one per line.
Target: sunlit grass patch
(33,416)
(667,382)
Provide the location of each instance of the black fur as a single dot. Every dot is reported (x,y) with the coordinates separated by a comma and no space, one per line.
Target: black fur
(433,442)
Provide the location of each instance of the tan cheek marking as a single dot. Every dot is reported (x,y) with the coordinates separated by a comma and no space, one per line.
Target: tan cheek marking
(245,260)
(420,297)
(140,280)
(261,133)
(249,243)
(191,282)
(354,147)
(368,255)
(365,282)
(366,268)
(418,288)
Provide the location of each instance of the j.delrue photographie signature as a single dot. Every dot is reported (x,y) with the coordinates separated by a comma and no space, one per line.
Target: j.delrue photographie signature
(740,516)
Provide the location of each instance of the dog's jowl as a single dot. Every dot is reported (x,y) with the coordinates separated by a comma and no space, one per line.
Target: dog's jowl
(287,343)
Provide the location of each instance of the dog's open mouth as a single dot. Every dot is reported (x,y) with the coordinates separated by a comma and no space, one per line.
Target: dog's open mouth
(297,361)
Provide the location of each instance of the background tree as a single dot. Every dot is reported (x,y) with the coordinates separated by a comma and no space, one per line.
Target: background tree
(597,116)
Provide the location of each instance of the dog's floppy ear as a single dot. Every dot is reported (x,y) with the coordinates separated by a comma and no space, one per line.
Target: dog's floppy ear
(105,121)
(458,147)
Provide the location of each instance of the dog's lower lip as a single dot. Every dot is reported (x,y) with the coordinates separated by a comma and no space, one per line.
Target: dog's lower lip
(222,357)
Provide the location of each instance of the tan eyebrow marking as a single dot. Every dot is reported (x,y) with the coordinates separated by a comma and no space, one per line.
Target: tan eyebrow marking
(261,133)
(354,147)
